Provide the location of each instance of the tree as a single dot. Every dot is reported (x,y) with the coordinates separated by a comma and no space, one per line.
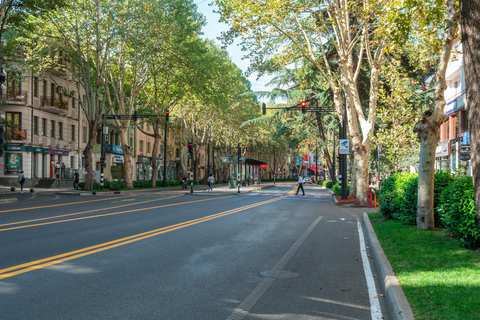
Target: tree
(428,128)
(469,10)
(292,30)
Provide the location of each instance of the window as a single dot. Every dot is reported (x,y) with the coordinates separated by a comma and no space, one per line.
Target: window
(73,99)
(60,130)
(141,146)
(148,147)
(15,118)
(52,93)
(44,89)
(35,125)
(84,134)
(457,125)
(52,128)
(73,133)
(44,127)
(14,84)
(35,87)
(465,121)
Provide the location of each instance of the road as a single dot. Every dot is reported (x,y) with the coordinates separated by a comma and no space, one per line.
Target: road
(169,255)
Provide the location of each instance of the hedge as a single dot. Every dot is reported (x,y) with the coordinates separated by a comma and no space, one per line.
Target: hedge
(454,204)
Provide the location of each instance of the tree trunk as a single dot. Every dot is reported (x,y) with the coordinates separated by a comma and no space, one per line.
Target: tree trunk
(87,153)
(429,134)
(470,15)
(361,165)
(428,130)
(127,155)
(353,168)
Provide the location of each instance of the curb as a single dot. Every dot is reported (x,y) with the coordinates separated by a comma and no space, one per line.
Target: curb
(10,200)
(398,305)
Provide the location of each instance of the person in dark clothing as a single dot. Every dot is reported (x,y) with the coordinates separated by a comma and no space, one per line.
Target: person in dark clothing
(21,180)
(76,180)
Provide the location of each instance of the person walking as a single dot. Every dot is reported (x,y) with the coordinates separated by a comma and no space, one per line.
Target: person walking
(21,179)
(63,167)
(300,184)
(76,179)
(211,180)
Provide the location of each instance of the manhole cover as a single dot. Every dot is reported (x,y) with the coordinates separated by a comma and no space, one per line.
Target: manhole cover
(282,275)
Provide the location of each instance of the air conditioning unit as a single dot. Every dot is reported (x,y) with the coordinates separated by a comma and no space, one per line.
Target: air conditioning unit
(45,141)
(36,140)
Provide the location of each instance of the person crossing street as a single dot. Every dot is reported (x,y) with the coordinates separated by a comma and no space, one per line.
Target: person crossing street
(300,184)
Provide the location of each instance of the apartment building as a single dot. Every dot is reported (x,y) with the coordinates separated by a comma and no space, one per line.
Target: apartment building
(454,133)
(44,125)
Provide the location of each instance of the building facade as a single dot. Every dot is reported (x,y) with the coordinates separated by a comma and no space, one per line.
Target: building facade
(454,133)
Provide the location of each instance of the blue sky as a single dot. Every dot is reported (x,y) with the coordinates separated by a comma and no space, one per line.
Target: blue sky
(213,29)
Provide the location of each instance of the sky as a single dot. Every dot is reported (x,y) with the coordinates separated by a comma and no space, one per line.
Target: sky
(213,30)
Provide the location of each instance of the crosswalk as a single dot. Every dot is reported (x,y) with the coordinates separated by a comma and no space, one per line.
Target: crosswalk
(278,194)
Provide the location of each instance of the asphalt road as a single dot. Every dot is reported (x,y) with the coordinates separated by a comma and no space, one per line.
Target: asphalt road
(261,255)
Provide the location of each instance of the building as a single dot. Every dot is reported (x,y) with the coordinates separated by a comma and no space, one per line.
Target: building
(44,125)
(454,133)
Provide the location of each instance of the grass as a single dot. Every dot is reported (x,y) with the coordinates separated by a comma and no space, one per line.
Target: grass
(441,280)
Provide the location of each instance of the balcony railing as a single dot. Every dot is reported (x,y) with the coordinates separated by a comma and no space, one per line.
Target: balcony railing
(16,134)
(48,102)
(19,97)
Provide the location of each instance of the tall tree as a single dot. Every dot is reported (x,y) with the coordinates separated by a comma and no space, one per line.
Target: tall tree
(428,129)
(470,16)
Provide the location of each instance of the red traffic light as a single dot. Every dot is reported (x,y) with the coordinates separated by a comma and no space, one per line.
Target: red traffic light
(308,143)
(303,104)
(190,144)
(167,115)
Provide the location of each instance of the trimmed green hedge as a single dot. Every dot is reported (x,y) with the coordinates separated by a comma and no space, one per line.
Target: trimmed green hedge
(454,204)
(458,213)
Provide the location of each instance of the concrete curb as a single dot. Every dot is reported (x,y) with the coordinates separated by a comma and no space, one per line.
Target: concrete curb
(10,200)
(398,305)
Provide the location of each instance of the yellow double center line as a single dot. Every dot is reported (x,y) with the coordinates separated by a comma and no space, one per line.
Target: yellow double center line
(43,263)
(83,212)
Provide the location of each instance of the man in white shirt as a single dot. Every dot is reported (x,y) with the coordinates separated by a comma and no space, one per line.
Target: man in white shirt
(300,184)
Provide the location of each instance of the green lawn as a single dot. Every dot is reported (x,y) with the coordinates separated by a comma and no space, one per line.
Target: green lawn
(440,278)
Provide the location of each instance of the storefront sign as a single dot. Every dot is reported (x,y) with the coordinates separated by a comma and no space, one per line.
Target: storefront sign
(464,156)
(14,162)
(344,146)
(232,159)
(111,148)
(442,149)
(144,160)
(117,159)
(59,152)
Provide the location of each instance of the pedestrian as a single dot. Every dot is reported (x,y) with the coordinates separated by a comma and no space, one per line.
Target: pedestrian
(211,180)
(63,167)
(57,170)
(184,183)
(21,179)
(76,179)
(300,184)
(249,180)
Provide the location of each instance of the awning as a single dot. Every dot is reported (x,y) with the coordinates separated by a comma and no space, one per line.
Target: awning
(254,162)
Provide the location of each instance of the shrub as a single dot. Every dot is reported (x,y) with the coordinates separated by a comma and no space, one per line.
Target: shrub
(457,212)
(96,185)
(329,184)
(106,184)
(81,185)
(338,190)
(117,185)
(392,196)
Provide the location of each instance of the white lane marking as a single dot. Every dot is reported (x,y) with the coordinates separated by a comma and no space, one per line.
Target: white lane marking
(244,308)
(376,311)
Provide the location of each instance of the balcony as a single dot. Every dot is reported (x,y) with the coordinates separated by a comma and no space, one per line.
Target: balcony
(455,103)
(16,135)
(56,106)
(19,98)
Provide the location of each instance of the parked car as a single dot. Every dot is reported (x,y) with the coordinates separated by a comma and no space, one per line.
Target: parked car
(307,180)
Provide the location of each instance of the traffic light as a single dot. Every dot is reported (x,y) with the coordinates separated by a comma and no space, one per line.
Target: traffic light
(338,158)
(303,104)
(246,148)
(2,140)
(309,143)
(339,180)
(264,108)
(167,115)
(190,149)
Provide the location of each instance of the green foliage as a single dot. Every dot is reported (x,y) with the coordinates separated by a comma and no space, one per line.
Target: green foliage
(395,202)
(81,185)
(116,185)
(338,190)
(457,211)
(328,184)
(96,185)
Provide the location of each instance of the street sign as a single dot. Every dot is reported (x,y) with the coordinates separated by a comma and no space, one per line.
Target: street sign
(379,152)
(464,149)
(464,156)
(344,147)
